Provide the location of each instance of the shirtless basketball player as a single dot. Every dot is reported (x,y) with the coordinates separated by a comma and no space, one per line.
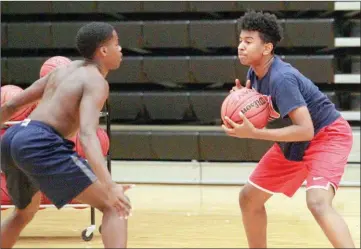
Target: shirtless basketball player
(36,155)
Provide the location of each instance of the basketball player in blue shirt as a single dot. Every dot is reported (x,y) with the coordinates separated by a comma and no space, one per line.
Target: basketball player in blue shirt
(315,147)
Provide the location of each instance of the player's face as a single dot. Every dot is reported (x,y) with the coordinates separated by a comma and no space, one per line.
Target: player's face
(251,48)
(114,52)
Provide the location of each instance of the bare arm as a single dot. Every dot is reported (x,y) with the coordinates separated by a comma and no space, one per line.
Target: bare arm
(94,96)
(28,96)
(300,130)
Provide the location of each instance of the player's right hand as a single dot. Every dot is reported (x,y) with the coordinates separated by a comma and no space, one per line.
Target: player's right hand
(239,86)
(119,200)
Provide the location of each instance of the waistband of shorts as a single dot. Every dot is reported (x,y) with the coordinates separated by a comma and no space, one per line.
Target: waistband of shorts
(30,122)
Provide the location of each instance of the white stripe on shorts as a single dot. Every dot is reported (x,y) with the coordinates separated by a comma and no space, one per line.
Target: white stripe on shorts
(84,168)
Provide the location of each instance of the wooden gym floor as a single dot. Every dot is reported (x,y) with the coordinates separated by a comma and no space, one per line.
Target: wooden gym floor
(193,217)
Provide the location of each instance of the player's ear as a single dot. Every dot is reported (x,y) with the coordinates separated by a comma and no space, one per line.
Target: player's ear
(103,50)
(268,47)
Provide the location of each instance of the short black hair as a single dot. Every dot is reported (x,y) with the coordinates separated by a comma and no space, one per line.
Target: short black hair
(265,23)
(91,36)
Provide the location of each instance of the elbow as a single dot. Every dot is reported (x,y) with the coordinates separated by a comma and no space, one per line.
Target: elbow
(85,137)
(11,106)
(309,134)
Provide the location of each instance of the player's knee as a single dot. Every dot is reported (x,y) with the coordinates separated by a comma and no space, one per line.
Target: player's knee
(108,206)
(252,199)
(318,206)
(245,200)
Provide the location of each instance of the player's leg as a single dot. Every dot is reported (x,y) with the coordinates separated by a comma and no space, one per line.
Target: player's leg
(254,216)
(326,159)
(319,202)
(114,228)
(24,194)
(63,176)
(12,225)
(273,174)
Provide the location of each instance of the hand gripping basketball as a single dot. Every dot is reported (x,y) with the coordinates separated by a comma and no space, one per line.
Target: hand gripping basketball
(238,85)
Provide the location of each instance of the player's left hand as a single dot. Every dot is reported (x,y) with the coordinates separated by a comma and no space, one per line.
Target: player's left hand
(244,130)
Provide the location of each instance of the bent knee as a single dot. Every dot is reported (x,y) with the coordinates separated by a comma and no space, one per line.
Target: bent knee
(108,207)
(252,198)
(318,206)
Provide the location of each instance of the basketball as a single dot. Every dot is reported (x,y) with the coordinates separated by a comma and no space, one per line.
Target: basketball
(103,139)
(252,104)
(52,63)
(10,91)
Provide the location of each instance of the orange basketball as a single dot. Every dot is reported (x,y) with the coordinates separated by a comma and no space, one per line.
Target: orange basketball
(103,139)
(252,104)
(10,91)
(52,63)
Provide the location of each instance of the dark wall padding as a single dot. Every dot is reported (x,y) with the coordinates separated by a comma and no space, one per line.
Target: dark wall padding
(310,67)
(166,34)
(211,34)
(23,70)
(29,35)
(198,34)
(185,145)
(309,33)
(166,105)
(193,69)
(17,7)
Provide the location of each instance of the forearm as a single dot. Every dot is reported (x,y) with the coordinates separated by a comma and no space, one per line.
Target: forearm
(6,111)
(92,151)
(292,133)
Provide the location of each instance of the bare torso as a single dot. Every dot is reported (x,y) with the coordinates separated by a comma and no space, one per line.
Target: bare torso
(59,106)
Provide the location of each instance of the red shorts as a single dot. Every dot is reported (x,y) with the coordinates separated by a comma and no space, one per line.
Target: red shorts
(323,164)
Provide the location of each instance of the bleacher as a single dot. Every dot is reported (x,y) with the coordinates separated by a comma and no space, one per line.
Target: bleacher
(180,62)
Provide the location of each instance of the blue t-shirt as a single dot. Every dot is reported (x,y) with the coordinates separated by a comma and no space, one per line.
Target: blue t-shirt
(289,89)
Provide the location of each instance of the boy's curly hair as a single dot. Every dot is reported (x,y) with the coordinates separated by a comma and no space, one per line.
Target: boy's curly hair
(265,23)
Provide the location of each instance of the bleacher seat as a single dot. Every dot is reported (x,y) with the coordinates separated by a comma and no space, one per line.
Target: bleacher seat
(310,67)
(168,145)
(207,105)
(308,5)
(4,35)
(131,145)
(129,33)
(63,33)
(260,5)
(356,27)
(355,101)
(22,7)
(165,6)
(213,34)
(126,106)
(166,70)
(212,69)
(166,105)
(29,35)
(4,70)
(298,32)
(130,71)
(74,7)
(355,64)
(23,70)
(218,146)
(213,6)
(166,34)
(118,6)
